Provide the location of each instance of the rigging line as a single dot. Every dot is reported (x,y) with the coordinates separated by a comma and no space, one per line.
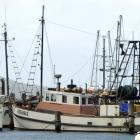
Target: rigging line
(36,86)
(16,82)
(33,63)
(86,63)
(50,56)
(113,28)
(1,56)
(72,28)
(75,29)
(20,60)
(23,65)
(48,46)
(1,64)
(136,26)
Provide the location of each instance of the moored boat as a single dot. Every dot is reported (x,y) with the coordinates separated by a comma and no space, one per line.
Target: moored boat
(1,116)
(74,109)
(70,112)
(2,100)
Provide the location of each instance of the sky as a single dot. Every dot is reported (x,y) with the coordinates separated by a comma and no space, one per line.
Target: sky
(72,44)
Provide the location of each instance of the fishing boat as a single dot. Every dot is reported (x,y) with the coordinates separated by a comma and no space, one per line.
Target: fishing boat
(70,111)
(75,109)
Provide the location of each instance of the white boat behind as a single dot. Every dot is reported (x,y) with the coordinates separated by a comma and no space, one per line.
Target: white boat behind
(1,116)
(2,99)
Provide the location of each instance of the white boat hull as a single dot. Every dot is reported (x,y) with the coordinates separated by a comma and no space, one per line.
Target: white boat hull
(25,119)
(137,123)
(6,116)
(1,116)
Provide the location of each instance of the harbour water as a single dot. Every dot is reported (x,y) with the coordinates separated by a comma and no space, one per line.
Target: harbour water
(45,135)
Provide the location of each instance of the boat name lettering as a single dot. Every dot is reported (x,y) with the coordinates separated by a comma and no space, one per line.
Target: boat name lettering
(25,113)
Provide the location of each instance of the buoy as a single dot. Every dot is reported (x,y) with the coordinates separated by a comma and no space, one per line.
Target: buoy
(137,137)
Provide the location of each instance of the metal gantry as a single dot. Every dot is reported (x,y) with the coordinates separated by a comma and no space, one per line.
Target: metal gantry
(128,72)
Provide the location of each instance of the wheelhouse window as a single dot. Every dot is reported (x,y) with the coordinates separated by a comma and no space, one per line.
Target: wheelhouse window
(83,100)
(47,97)
(53,97)
(64,98)
(76,100)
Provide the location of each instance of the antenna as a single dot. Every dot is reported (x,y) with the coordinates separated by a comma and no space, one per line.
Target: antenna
(5,11)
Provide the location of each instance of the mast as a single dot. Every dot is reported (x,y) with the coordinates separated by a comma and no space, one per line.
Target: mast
(110,60)
(118,48)
(6,59)
(42,44)
(139,69)
(95,61)
(104,62)
(116,81)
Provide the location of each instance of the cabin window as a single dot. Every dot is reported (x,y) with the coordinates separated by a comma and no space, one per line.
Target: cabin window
(47,97)
(90,101)
(83,101)
(53,97)
(76,100)
(64,98)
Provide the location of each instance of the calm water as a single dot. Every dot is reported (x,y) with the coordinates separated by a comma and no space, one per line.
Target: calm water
(38,135)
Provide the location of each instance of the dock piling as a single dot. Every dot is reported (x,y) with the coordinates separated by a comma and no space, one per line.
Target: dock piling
(58,121)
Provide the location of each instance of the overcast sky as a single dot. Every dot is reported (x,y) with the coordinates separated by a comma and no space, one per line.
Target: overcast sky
(71,50)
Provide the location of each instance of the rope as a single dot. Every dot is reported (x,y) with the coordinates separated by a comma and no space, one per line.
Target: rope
(50,56)
(78,30)
(1,56)
(86,63)
(72,28)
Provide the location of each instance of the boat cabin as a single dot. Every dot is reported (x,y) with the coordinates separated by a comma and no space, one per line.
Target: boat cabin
(69,103)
